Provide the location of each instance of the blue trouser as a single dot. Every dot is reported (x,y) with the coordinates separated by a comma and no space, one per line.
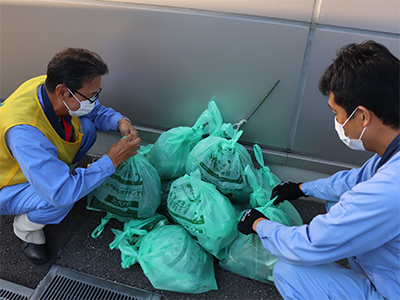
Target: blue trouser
(327,281)
(38,210)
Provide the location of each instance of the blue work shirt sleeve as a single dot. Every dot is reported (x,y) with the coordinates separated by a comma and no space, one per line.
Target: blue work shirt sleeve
(104,118)
(49,176)
(333,187)
(365,218)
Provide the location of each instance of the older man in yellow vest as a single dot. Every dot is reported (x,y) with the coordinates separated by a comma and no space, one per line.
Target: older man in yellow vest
(47,124)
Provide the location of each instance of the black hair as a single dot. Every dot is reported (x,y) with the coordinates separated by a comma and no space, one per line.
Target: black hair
(365,74)
(73,67)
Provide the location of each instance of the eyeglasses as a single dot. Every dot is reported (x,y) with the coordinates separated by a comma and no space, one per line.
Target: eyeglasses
(92,99)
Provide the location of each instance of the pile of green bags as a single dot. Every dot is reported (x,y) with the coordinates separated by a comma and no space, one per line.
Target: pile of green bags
(180,201)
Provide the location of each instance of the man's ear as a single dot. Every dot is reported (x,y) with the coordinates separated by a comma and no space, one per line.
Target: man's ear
(366,115)
(61,92)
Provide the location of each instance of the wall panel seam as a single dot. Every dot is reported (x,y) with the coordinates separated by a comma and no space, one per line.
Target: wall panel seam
(303,75)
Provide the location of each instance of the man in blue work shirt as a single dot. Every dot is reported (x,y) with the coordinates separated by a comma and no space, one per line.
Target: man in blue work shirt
(362,222)
(47,125)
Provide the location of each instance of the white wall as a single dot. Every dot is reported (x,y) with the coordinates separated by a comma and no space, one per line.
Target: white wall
(167,59)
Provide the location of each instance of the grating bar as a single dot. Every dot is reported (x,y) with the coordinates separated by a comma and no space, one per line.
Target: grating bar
(8,295)
(12,291)
(67,288)
(62,283)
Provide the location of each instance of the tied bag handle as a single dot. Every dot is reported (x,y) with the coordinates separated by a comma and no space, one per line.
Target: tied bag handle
(212,119)
(104,221)
(131,228)
(271,178)
(209,121)
(229,145)
(195,182)
(129,255)
(259,197)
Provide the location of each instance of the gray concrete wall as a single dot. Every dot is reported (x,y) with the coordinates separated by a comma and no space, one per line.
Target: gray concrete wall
(169,58)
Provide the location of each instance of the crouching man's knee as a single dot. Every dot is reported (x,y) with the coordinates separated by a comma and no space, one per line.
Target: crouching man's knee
(282,271)
(288,280)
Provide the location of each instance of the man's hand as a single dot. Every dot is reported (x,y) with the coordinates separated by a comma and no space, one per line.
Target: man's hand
(287,190)
(124,149)
(249,218)
(125,128)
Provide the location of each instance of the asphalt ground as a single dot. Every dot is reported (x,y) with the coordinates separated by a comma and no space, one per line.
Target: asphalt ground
(72,247)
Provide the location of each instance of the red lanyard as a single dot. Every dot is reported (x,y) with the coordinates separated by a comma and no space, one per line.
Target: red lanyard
(67,129)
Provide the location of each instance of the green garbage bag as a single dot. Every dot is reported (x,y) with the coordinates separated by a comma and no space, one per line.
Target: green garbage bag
(247,256)
(265,177)
(284,213)
(133,191)
(208,215)
(169,153)
(221,162)
(261,195)
(172,260)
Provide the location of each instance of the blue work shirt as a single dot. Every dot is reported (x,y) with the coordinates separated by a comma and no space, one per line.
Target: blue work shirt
(363,224)
(49,176)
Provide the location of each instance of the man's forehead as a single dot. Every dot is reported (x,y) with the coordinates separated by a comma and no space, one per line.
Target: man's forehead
(331,100)
(92,86)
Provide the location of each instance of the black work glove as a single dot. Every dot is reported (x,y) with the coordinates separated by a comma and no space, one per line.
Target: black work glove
(287,190)
(245,225)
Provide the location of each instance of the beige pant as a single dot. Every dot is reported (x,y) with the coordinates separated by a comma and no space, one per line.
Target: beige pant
(28,231)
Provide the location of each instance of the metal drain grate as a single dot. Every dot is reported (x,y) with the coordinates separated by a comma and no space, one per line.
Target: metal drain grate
(61,283)
(12,291)
(8,295)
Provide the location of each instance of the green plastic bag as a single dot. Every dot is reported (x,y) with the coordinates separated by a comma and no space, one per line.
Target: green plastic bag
(222,162)
(172,260)
(204,212)
(265,177)
(169,153)
(133,191)
(261,195)
(283,213)
(247,256)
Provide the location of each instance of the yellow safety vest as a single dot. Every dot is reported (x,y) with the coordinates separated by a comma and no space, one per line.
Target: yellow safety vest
(23,107)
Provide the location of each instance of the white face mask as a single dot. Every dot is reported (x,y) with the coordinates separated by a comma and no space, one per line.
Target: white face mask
(352,144)
(85,107)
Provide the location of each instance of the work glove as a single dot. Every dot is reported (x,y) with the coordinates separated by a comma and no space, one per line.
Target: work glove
(246,222)
(286,190)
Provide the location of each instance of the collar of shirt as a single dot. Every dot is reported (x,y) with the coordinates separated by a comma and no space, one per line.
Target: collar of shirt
(393,148)
(50,114)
